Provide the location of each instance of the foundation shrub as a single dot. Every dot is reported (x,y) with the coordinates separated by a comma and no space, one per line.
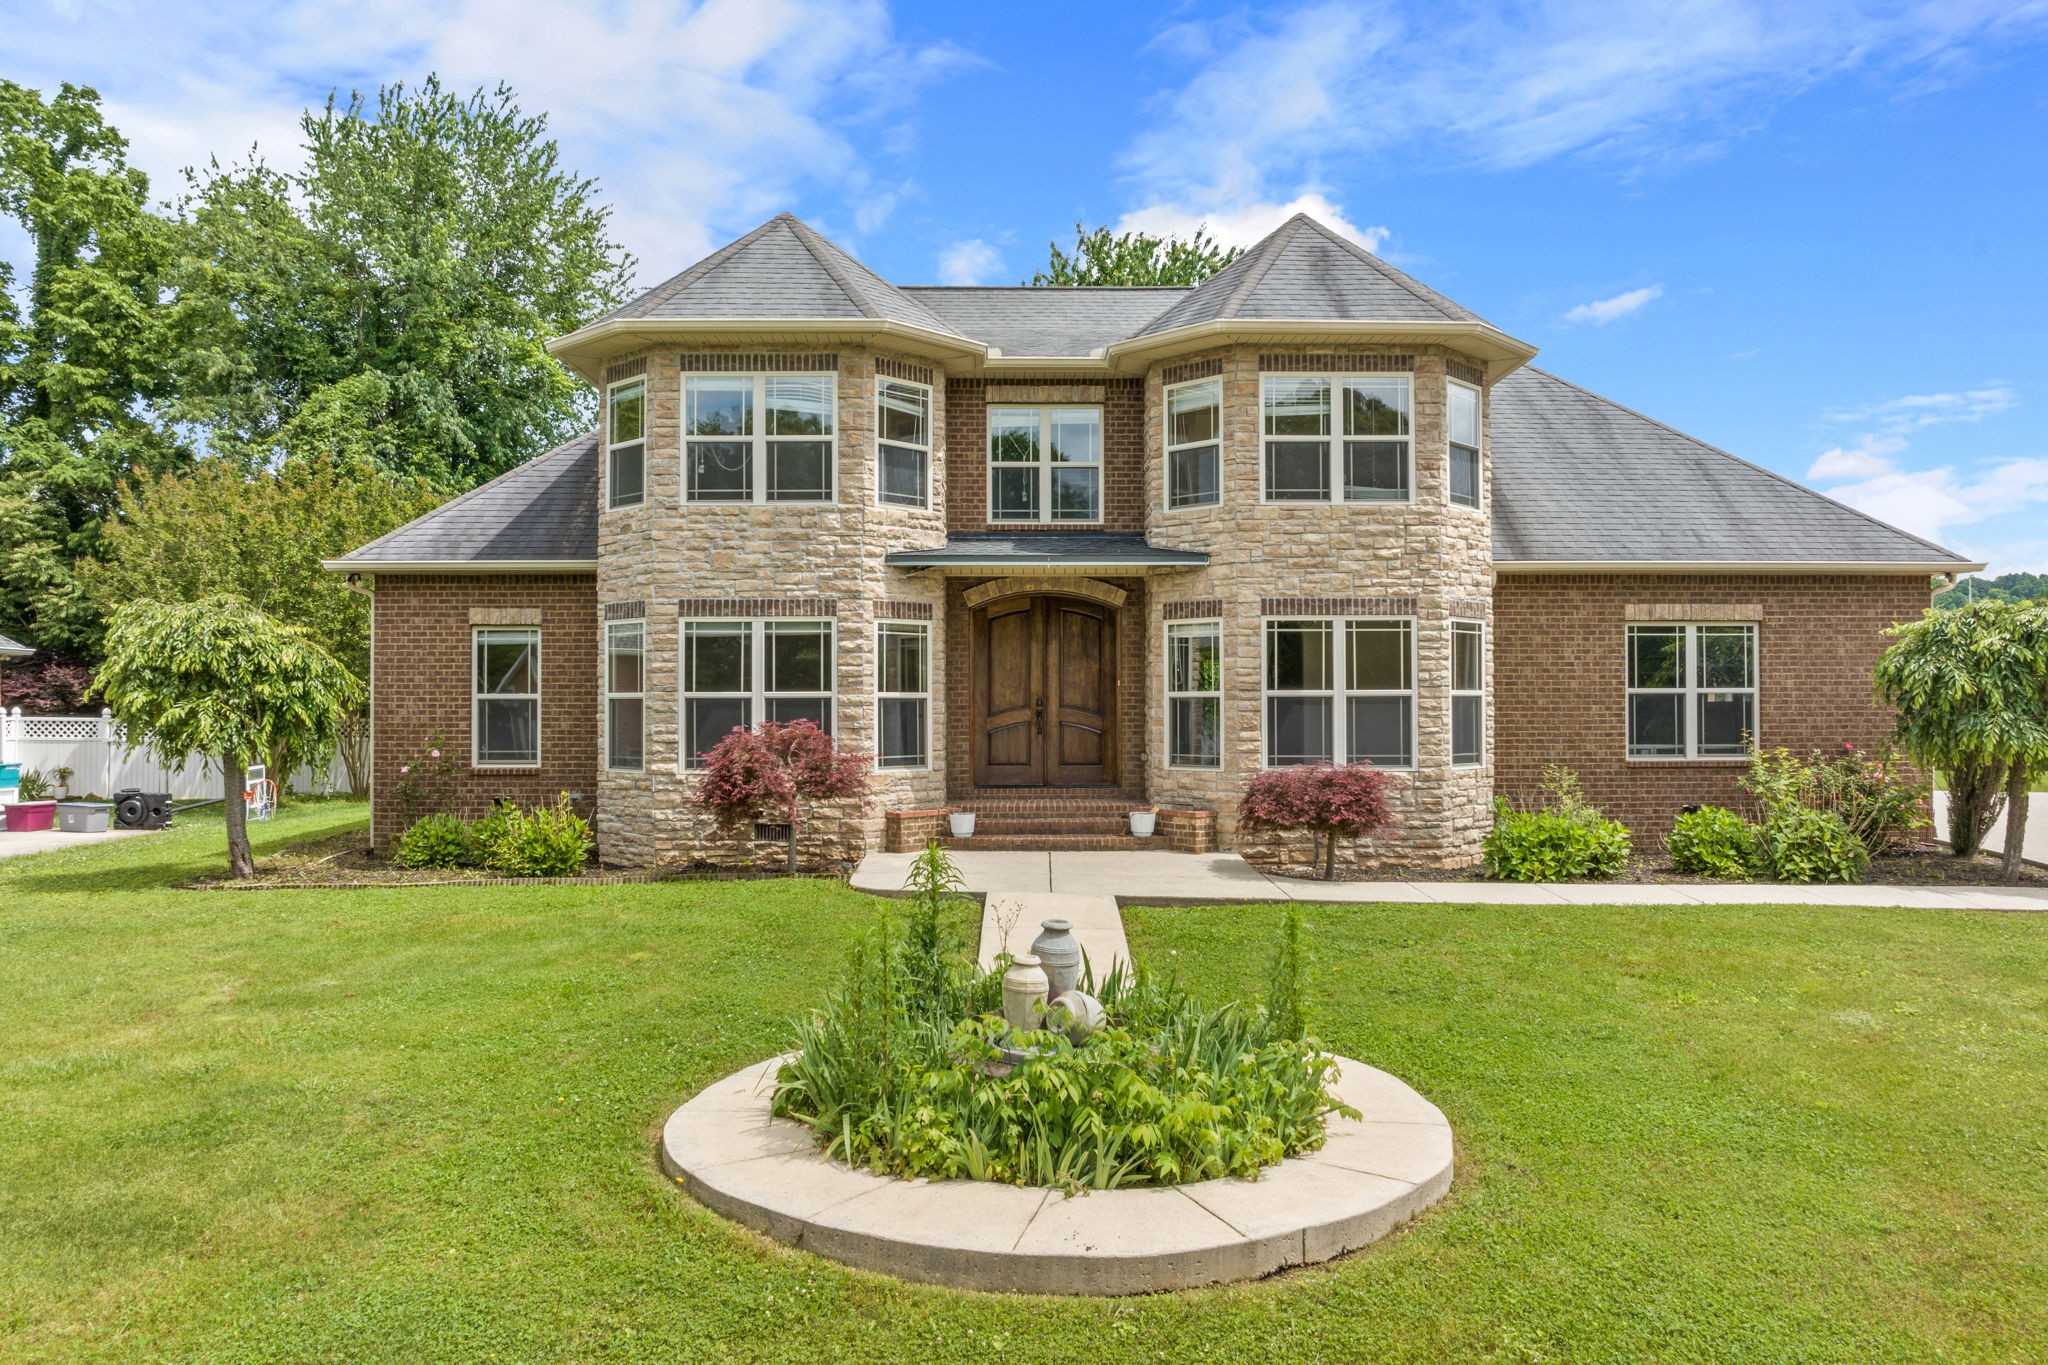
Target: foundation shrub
(438,840)
(1567,839)
(1330,802)
(1713,842)
(1802,844)
(547,841)
(899,1071)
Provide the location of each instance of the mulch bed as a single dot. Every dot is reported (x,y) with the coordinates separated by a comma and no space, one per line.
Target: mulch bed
(1921,865)
(344,860)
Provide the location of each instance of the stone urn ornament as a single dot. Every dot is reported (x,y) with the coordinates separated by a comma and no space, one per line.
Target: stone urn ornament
(1059,952)
(1077,1014)
(1024,994)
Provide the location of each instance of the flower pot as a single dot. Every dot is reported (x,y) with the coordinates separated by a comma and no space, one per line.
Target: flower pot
(23,816)
(962,823)
(1059,953)
(1077,1014)
(1024,988)
(1143,822)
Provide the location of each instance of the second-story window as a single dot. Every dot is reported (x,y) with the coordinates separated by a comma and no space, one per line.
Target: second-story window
(1194,432)
(1337,437)
(1045,464)
(903,420)
(1463,412)
(625,468)
(758,438)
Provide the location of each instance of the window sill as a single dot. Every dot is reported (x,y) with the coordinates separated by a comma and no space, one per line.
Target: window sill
(504,767)
(1650,760)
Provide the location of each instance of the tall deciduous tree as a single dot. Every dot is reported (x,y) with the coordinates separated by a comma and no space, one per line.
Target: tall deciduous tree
(407,279)
(84,364)
(220,678)
(1971,687)
(261,536)
(1104,257)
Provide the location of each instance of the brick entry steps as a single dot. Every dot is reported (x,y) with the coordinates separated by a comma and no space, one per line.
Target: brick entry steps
(1050,821)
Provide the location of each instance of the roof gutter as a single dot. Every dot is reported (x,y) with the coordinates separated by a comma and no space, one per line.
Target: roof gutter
(455,566)
(1711,566)
(586,349)
(1503,354)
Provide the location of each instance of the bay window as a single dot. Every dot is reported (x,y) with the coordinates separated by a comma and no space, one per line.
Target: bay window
(1691,691)
(1045,464)
(903,694)
(625,451)
(738,673)
(505,698)
(625,695)
(1463,422)
(1340,691)
(1194,695)
(758,438)
(1337,437)
(1468,692)
(1194,435)
(903,430)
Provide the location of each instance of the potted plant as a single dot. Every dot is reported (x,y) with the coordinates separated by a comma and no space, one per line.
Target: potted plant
(34,810)
(62,777)
(1143,822)
(961,822)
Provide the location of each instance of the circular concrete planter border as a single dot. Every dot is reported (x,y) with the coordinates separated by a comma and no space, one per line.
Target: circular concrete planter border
(1372,1175)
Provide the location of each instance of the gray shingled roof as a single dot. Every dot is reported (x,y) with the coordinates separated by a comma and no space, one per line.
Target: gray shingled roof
(1304,270)
(1023,320)
(1578,478)
(782,269)
(14,649)
(1043,548)
(544,510)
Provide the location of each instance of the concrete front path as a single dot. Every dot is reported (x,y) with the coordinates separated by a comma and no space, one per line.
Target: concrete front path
(1096,922)
(1144,876)
(48,840)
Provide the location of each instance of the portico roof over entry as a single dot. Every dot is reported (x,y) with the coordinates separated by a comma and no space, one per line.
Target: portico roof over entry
(1046,551)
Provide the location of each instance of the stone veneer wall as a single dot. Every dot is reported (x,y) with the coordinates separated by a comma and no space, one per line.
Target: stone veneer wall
(1562,677)
(1432,560)
(421,662)
(654,557)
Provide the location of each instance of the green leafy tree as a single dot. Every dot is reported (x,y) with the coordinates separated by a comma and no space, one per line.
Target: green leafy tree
(2007,587)
(220,678)
(398,293)
(261,536)
(1971,688)
(1104,257)
(84,358)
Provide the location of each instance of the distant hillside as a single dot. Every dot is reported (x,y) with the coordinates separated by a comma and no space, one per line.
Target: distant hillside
(2008,587)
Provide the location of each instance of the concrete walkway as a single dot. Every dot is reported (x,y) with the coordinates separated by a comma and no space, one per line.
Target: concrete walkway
(1096,921)
(1146,877)
(48,840)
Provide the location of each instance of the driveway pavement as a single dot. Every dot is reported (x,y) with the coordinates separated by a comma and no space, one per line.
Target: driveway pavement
(1145,877)
(44,840)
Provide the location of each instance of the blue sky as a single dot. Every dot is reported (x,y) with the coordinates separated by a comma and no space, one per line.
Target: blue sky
(1809,233)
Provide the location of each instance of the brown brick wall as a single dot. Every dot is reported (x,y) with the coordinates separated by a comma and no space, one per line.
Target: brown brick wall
(421,659)
(1559,678)
(1123,452)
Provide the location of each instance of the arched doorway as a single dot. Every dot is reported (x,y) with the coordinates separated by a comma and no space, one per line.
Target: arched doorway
(1044,710)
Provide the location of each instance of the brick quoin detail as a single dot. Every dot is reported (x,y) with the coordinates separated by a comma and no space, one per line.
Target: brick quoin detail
(1337,606)
(1336,362)
(1560,677)
(807,608)
(421,655)
(753,362)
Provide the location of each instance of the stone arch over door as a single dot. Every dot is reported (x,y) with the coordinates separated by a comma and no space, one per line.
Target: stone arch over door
(1036,585)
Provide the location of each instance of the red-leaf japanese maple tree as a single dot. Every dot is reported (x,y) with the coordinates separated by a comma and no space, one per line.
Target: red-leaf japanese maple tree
(1336,803)
(772,772)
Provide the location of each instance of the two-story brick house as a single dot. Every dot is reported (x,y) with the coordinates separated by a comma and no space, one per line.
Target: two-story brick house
(1053,554)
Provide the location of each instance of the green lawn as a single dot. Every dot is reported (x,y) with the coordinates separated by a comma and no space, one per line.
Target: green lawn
(419,1125)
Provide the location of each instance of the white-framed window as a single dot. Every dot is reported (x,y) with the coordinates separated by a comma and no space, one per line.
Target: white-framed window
(625,448)
(1468,692)
(1340,690)
(1337,437)
(1194,694)
(625,695)
(759,437)
(903,443)
(1691,691)
(505,697)
(738,673)
(903,687)
(1462,420)
(1194,444)
(1044,464)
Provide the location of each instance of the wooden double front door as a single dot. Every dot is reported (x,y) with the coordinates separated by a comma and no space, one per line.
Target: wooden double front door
(1044,693)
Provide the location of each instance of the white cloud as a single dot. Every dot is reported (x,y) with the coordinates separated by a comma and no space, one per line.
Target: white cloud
(1930,502)
(970,262)
(1241,224)
(700,117)
(1273,101)
(1600,312)
(1917,410)
(1869,458)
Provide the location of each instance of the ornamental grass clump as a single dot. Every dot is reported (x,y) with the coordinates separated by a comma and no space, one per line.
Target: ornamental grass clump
(900,1071)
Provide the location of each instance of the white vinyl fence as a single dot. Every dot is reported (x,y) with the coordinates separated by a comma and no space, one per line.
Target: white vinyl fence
(95,748)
